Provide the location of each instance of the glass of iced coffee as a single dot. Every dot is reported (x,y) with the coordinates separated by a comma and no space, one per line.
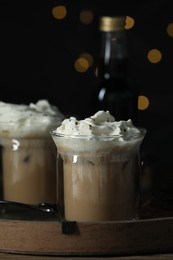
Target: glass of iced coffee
(100,170)
(28,155)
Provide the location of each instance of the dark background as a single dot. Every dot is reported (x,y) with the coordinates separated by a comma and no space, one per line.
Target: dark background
(37,55)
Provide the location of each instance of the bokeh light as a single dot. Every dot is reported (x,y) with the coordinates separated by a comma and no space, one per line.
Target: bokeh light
(59,12)
(129,22)
(154,56)
(143,102)
(169,30)
(81,65)
(86,16)
(88,57)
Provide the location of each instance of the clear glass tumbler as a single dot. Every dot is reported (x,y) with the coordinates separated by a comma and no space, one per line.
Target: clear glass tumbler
(100,177)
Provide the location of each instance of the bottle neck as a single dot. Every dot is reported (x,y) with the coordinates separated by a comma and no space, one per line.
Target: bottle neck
(113,55)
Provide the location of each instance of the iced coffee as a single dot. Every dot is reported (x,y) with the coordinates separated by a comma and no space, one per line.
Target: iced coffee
(101,168)
(28,155)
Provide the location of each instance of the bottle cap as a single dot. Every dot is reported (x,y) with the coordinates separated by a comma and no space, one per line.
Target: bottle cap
(109,24)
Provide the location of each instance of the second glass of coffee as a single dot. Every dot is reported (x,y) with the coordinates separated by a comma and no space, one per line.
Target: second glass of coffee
(28,153)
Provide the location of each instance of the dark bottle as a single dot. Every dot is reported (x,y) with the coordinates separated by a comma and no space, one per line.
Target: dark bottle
(112,91)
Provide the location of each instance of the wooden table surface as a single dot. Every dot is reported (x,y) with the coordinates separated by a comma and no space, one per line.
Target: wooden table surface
(138,257)
(158,231)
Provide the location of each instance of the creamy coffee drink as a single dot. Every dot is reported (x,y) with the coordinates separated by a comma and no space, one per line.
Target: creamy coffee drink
(100,167)
(28,154)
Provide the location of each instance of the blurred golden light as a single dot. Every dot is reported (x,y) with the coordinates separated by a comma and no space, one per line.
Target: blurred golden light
(154,56)
(143,102)
(86,16)
(170,29)
(88,57)
(81,65)
(59,12)
(129,22)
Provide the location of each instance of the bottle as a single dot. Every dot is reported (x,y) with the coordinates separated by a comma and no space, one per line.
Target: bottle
(113,91)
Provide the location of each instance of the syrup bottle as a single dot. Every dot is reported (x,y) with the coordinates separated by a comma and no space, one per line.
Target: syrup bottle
(113,91)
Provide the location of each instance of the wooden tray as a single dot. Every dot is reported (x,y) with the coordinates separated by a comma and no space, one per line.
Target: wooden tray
(147,235)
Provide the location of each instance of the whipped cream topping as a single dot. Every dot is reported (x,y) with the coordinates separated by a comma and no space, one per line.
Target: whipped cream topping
(101,124)
(28,120)
(99,131)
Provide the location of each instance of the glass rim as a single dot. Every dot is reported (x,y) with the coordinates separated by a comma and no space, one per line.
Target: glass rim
(132,136)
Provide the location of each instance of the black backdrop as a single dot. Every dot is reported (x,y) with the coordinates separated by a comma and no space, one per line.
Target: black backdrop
(37,55)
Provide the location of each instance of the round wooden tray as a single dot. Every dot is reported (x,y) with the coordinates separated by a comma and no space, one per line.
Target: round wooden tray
(147,235)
